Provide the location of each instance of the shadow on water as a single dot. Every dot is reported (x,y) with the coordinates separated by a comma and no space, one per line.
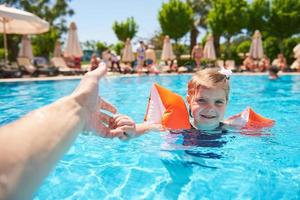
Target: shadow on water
(187,149)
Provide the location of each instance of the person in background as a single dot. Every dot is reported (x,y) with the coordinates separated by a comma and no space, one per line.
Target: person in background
(197,54)
(106,58)
(31,146)
(280,63)
(248,64)
(273,73)
(264,64)
(115,62)
(95,61)
(141,55)
(151,59)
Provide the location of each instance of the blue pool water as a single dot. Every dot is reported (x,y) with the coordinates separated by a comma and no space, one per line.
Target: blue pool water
(155,166)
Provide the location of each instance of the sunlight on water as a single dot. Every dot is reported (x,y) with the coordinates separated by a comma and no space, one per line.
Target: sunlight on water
(227,164)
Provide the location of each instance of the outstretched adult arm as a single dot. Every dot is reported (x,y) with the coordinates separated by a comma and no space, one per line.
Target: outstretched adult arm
(31,146)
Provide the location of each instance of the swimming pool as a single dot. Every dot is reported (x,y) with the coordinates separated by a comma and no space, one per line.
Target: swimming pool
(152,166)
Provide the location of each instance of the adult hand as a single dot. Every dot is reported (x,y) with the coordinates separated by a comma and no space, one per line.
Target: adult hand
(87,95)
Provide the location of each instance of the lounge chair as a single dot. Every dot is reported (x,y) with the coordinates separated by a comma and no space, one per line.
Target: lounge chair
(8,71)
(60,63)
(43,63)
(26,66)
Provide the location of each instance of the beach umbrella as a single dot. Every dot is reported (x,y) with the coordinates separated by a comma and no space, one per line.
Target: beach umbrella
(209,49)
(57,49)
(167,51)
(127,53)
(14,21)
(73,48)
(256,49)
(26,48)
(296,51)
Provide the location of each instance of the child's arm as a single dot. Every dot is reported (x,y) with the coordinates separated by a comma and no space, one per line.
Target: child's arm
(146,127)
(126,127)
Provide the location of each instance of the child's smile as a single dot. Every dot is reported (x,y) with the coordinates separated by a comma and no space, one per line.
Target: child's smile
(208,107)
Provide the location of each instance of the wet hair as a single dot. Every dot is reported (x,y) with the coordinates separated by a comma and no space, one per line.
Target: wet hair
(209,78)
(274,69)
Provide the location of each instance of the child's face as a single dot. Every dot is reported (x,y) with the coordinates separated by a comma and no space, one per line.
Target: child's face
(208,107)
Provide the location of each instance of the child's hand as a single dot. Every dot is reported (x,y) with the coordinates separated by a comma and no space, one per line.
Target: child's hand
(123,126)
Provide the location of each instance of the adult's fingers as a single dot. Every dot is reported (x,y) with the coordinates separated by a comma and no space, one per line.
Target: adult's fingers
(103,117)
(106,106)
(102,130)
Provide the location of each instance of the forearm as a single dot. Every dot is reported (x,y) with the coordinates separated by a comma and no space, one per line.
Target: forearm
(27,155)
(146,127)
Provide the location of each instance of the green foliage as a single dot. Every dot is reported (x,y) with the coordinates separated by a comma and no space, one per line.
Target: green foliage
(227,18)
(176,19)
(53,12)
(243,47)
(240,46)
(284,19)
(271,47)
(43,45)
(125,29)
(101,46)
(157,40)
(259,12)
(1,53)
(118,47)
(181,49)
(201,9)
(288,45)
(12,43)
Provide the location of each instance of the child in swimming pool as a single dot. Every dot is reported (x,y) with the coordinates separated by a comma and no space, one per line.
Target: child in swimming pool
(207,98)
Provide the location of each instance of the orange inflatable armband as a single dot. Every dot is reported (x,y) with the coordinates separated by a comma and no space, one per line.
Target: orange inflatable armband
(249,119)
(167,108)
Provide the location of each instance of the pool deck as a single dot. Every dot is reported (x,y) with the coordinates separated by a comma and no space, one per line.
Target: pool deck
(77,77)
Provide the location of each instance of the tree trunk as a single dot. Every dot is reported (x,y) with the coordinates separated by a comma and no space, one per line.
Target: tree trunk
(193,37)
(176,49)
(217,44)
(228,47)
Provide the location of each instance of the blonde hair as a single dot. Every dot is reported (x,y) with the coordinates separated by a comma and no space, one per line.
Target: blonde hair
(208,78)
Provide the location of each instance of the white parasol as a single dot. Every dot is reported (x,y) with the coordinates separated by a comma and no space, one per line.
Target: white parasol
(209,49)
(26,48)
(167,51)
(73,48)
(14,21)
(127,53)
(256,49)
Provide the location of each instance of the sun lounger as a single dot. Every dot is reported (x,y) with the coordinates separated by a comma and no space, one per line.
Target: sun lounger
(182,69)
(60,63)
(8,71)
(27,67)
